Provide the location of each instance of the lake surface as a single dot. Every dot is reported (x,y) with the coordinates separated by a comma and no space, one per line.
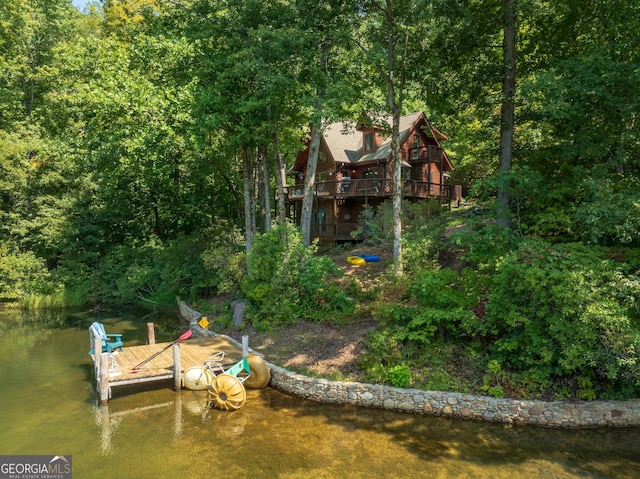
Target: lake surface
(48,407)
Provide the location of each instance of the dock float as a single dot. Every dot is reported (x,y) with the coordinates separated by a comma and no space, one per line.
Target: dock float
(115,369)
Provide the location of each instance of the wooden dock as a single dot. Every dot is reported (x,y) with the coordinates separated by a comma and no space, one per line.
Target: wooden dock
(116,369)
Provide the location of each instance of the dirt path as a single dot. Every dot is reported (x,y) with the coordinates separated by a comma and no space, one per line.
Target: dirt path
(322,348)
(317,349)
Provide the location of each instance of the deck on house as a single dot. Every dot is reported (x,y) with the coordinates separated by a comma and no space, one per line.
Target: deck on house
(193,352)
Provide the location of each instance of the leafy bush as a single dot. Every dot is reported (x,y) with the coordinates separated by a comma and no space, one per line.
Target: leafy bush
(610,212)
(400,376)
(287,281)
(564,310)
(195,266)
(384,350)
(492,381)
(540,204)
(419,252)
(22,274)
(444,300)
(374,225)
(483,240)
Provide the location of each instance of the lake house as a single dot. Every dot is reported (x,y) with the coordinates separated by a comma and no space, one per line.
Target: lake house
(355,169)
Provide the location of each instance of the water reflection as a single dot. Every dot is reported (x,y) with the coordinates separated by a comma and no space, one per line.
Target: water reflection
(48,407)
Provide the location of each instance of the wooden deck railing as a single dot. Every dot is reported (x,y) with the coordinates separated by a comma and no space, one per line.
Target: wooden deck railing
(376,188)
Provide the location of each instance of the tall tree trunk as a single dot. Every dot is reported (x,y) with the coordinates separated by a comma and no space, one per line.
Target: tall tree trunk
(508,108)
(397,187)
(310,178)
(265,186)
(281,172)
(248,189)
(395,106)
(281,178)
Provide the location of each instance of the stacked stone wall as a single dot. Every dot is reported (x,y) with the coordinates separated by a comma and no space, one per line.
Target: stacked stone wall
(558,414)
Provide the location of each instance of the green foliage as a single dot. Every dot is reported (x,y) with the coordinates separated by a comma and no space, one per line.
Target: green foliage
(564,310)
(188,266)
(388,359)
(443,305)
(224,258)
(400,376)
(483,241)
(420,251)
(287,281)
(419,219)
(493,379)
(22,274)
(542,319)
(384,351)
(610,212)
(438,305)
(63,298)
(374,225)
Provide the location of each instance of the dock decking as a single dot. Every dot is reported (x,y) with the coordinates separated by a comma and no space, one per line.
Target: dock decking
(191,352)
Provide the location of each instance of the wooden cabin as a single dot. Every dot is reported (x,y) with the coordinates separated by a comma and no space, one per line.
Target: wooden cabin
(355,169)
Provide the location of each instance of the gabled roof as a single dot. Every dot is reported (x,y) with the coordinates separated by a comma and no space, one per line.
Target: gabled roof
(344,141)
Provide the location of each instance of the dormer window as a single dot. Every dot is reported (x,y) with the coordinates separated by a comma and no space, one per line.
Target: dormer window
(368,142)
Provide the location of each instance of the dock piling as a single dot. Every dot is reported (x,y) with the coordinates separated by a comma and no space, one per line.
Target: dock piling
(151,333)
(177,371)
(97,346)
(245,346)
(103,374)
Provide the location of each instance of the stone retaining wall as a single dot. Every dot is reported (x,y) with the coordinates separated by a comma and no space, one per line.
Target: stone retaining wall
(559,414)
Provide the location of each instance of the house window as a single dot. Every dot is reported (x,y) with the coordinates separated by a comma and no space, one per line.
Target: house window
(416,147)
(368,141)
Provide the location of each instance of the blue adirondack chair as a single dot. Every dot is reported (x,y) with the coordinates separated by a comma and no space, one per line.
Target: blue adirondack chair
(110,342)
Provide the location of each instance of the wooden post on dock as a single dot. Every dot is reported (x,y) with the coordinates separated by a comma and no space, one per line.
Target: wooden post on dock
(245,346)
(103,371)
(151,332)
(177,372)
(97,349)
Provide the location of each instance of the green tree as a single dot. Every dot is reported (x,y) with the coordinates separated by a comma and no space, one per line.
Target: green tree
(507,111)
(38,174)
(325,29)
(393,44)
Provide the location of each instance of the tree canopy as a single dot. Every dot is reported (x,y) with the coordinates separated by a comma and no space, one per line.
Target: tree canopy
(143,145)
(139,124)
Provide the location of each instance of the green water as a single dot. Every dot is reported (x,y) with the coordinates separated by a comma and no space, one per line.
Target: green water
(47,406)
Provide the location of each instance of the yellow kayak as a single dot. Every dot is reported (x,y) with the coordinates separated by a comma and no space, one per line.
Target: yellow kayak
(356,260)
